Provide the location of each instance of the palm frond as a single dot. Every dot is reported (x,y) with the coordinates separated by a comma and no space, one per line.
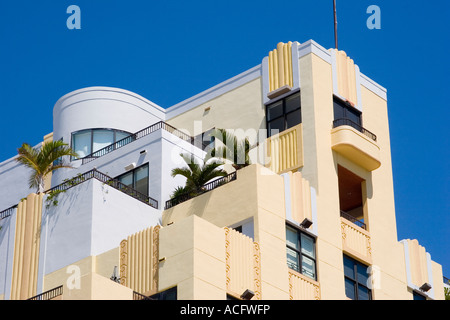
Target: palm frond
(41,160)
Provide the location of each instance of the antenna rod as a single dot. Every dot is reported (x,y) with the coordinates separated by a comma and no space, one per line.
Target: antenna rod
(335,25)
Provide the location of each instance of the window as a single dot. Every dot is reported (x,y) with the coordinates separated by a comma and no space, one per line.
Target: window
(351,196)
(301,252)
(418,296)
(169,294)
(356,280)
(342,110)
(283,114)
(86,142)
(136,179)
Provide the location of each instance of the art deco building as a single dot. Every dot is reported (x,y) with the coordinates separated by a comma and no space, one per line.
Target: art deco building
(312,216)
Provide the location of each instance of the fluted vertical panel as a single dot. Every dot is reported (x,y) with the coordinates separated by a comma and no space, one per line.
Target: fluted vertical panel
(346,76)
(418,263)
(286,150)
(300,197)
(139,260)
(242,264)
(26,247)
(280,66)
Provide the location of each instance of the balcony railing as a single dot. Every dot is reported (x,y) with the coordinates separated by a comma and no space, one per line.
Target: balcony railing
(140,296)
(207,187)
(352,219)
(135,136)
(348,122)
(116,184)
(49,295)
(6,213)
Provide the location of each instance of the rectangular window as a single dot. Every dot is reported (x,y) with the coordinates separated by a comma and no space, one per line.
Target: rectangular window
(81,143)
(169,294)
(344,111)
(136,179)
(418,296)
(101,139)
(301,252)
(283,114)
(356,280)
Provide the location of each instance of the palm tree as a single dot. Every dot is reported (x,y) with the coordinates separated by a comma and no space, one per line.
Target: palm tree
(197,174)
(237,151)
(43,160)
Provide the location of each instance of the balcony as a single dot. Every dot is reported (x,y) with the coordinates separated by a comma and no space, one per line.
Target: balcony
(207,187)
(355,143)
(94,174)
(53,294)
(285,150)
(161,125)
(356,240)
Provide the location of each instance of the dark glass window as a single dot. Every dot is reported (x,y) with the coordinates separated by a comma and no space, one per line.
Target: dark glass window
(169,294)
(283,114)
(356,280)
(344,111)
(136,179)
(418,296)
(301,252)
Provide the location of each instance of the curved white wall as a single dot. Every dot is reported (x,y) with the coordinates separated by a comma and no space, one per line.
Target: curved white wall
(103,107)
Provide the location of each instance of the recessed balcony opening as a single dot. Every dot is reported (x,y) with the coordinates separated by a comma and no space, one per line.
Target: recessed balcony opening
(351,196)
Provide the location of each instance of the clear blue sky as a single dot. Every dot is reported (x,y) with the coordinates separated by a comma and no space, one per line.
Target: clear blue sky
(170,50)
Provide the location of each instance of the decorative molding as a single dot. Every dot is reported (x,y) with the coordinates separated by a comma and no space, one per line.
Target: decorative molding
(155,267)
(293,277)
(123,262)
(357,244)
(227,259)
(257,270)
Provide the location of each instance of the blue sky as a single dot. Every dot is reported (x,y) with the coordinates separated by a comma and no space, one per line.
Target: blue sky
(168,51)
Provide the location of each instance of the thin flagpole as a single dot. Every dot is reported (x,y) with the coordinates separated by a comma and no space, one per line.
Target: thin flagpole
(335,25)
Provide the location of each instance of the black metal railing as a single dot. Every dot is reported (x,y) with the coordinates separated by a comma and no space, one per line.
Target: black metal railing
(205,188)
(116,184)
(140,296)
(348,122)
(142,133)
(352,219)
(446,280)
(6,213)
(49,295)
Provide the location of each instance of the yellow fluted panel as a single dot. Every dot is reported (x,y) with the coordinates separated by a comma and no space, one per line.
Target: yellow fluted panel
(280,66)
(242,264)
(139,261)
(300,197)
(303,288)
(26,247)
(286,150)
(418,263)
(346,76)
(356,240)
